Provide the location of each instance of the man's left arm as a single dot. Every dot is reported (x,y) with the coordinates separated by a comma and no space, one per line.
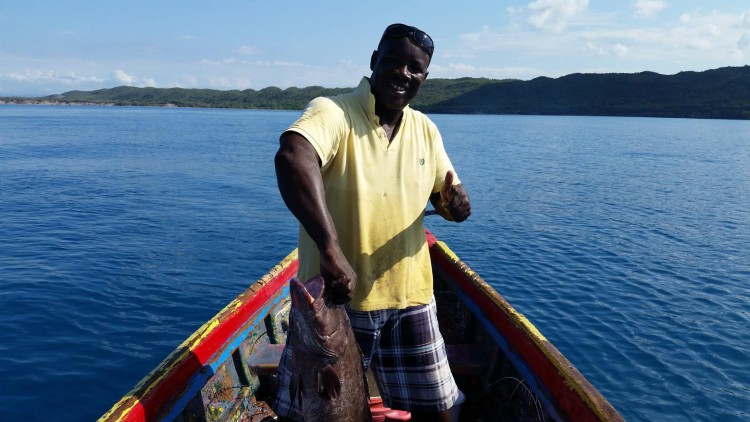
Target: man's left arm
(452,202)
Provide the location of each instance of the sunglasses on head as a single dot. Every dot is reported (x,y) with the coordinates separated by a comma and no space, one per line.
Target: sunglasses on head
(417,36)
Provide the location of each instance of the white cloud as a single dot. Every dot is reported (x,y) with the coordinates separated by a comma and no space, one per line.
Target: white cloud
(698,40)
(248,50)
(220,83)
(223,62)
(608,50)
(488,39)
(744,42)
(619,50)
(35,82)
(186,81)
(258,74)
(699,44)
(42,77)
(554,15)
(225,83)
(713,32)
(120,76)
(716,35)
(646,8)
(457,55)
(36,75)
(460,69)
(280,64)
(471,37)
(480,37)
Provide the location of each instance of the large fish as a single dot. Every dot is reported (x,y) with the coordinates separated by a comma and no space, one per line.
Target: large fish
(328,378)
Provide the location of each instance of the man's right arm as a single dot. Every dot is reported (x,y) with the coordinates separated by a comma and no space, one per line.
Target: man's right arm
(301,186)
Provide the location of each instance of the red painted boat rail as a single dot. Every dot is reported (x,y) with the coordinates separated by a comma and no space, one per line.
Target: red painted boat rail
(157,393)
(166,387)
(573,396)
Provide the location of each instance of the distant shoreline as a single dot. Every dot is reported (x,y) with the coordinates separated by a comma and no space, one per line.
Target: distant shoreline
(54,102)
(33,101)
(722,93)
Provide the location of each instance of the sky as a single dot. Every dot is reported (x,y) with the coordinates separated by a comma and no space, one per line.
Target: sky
(53,46)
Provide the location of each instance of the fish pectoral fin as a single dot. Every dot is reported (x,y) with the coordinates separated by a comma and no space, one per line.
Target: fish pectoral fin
(328,382)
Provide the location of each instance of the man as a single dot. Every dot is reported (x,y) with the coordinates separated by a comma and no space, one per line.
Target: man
(357,170)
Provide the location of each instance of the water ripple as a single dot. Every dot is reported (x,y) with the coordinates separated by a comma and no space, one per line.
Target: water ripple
(124,229)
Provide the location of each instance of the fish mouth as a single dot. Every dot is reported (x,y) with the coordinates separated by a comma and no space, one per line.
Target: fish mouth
(300,294)
(307,292)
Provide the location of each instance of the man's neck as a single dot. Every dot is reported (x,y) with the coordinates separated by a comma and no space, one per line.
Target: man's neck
(389,120)
(388,117)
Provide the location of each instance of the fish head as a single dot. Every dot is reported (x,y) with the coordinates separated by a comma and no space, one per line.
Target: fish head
(318,322)
(308,296)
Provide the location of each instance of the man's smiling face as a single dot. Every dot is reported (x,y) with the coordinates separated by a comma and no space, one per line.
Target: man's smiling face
(398,70)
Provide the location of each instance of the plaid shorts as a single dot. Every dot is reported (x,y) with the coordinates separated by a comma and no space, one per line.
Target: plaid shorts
(407,355)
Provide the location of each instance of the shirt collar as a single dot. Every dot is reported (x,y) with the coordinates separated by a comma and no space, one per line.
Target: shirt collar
(367,100)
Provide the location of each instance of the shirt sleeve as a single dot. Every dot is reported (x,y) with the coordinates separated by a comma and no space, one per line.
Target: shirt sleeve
(442,162)
(323,124)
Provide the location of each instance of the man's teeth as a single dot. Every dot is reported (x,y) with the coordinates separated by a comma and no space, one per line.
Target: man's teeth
(398,87)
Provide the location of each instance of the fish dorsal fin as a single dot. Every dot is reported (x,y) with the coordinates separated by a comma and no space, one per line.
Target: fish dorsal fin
(328,382)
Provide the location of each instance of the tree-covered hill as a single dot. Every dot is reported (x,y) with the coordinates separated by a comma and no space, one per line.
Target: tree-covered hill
(718,93)
(267,98)
(433,91)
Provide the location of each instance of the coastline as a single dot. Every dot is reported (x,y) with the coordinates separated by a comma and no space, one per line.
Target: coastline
(47,101)
(711,94)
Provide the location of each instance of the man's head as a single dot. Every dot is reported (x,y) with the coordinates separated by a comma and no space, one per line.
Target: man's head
(415,36)
(399,66)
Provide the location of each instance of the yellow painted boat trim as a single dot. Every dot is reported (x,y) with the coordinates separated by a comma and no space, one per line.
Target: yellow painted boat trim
(148,383)
(572,377)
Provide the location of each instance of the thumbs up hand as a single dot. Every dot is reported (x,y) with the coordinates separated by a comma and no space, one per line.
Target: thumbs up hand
(454,199)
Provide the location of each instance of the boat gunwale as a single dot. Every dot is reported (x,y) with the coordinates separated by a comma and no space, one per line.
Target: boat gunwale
(154,396)
(157,394)
(558,375)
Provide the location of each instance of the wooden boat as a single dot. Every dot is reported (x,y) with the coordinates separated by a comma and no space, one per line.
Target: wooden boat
(505,367)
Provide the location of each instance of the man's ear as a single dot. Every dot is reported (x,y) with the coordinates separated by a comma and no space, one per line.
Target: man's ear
(373,59)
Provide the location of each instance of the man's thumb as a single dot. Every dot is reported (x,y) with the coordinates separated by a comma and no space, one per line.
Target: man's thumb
(448,182)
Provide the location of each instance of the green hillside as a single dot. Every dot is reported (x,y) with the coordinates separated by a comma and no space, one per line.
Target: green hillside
(719,93)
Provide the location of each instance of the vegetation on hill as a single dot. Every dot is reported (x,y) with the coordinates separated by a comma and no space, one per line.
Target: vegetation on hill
(718,93)
(433,91)
(267,98)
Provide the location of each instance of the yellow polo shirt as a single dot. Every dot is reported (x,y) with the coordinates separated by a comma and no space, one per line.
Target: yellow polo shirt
(376,192)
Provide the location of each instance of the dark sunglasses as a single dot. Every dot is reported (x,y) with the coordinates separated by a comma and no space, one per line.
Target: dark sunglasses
(417,36)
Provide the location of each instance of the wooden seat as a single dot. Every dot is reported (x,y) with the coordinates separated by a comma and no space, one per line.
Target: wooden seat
(265,359)
(465,359)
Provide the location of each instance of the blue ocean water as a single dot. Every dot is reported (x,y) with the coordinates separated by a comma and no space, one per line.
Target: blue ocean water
(624,240)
